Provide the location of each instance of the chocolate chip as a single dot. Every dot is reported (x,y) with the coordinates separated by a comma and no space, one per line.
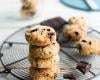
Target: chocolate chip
(69,37)
(34,30)
(55,75)
(47,75)
(53,43)
(49,35)
(43,29)
(91,53)
(83,66)
(69,76)
(48,29)
(79,47)
(76,33)
(84,41)
(90,42)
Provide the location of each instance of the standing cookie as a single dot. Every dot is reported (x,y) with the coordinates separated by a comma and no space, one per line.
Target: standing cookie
(74,32)
(75,29)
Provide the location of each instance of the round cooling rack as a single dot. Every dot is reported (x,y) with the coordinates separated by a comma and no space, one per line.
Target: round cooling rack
(14,53)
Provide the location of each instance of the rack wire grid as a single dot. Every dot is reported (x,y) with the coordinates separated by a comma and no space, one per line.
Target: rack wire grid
(14,53)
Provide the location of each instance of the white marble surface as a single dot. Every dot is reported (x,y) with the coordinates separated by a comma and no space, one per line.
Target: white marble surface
(10,19)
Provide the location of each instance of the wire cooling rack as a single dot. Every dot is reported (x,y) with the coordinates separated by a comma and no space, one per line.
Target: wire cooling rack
(14,52)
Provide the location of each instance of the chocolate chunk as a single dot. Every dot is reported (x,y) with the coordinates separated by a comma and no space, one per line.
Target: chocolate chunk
(90,42)
(57,23)
(69,76)
(43,29)
(84,41)
(34,30)
(83,66)
(69,37)
(76,33)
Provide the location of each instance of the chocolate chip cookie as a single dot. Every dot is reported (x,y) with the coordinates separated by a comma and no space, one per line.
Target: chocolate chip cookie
(44,63)
(44,52)
(74,32)
(41,35)
(89,46)
(44,73)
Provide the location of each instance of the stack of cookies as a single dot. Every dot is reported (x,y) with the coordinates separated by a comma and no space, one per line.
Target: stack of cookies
(28,8)
(43,53)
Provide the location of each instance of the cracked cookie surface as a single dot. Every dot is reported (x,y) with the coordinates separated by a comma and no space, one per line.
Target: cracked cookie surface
(41,35)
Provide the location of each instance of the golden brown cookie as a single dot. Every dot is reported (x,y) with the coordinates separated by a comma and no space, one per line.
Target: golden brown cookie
(44,63)
(41,35)
(28,10)
(44,52)
(74,32)
(89,46)
(25,2)
(44,73)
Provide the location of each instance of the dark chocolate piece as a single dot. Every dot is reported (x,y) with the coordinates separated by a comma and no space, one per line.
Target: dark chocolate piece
(76,33)
(69,76)
(83,66)
(57,23)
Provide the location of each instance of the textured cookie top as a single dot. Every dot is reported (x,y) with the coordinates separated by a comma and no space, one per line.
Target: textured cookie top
(77,20)
(40,35)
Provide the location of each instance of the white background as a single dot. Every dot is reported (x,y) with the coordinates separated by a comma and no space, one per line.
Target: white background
(10,19)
